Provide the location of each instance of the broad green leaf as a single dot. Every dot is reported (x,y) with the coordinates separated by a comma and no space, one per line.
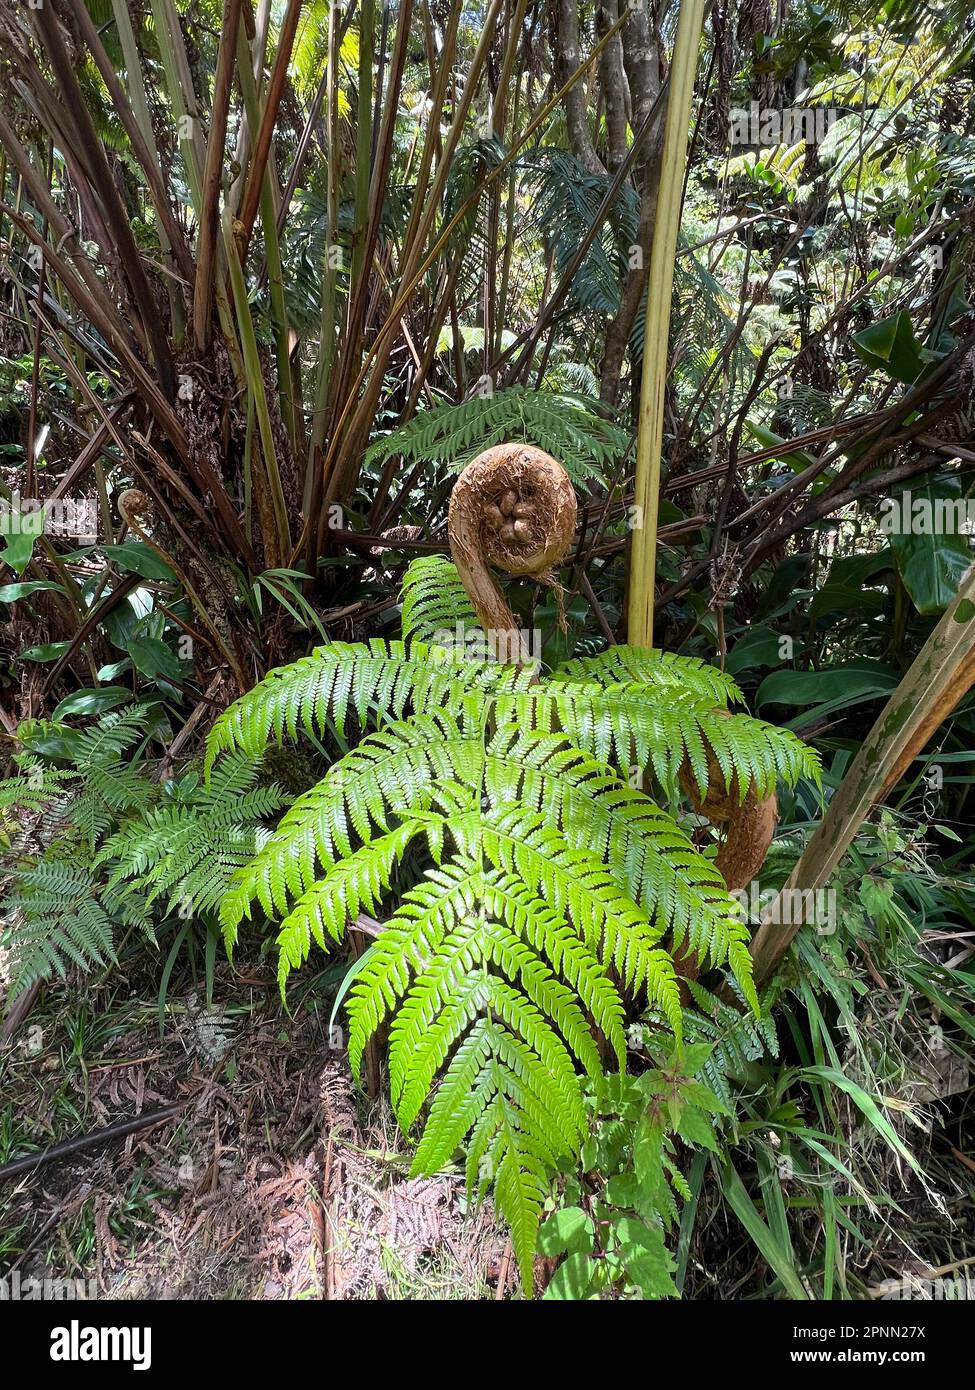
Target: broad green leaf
(153,658)
(19,531)
(47,651)
(573,1279)
(698,1130)
(135,557)
(10,593)
(891,346)
(649,1264)
(769,439)
(933,554)
(93,701)
(755,647)
(836,687)
(568,1230)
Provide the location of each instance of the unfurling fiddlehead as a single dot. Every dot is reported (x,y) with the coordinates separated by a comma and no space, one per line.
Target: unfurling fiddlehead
(514,509)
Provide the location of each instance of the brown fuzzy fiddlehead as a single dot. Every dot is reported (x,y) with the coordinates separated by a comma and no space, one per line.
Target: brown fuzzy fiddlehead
(513,509)
(748,823)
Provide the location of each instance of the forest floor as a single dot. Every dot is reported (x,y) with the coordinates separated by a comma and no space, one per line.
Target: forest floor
(275,1179)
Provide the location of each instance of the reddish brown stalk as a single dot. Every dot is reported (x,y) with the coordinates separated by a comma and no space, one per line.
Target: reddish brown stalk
(150,168)
(66,238)
(339,482)
(377,187)
(35,371)
(265,133)
(102,315)
(312,538)
(340,435)
(209,203)
(111,205)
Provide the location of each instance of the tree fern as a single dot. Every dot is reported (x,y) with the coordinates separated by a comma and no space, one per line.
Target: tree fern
(562,423)
(624,663)
(54,920)
(551,884)
(640,725)
(318,692)
(736,1038)
(565,203)
(99,784)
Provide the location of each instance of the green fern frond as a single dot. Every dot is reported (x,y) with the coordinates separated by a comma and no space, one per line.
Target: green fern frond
(435,601)
(34,788)
(565,201)
(622,664)
(471,968)
(188,849)
(55,920)
(57,914)
(103,781)
(391,774)
(323,689)
(583,891)
(357,882)
(115,733)
(109,791)
(736,1038)
(644,848)
(641,726)
(554,881)
(565,425)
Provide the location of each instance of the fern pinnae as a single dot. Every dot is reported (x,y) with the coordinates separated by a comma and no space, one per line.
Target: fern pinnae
(534,1053)
(391,773)
(53,919)
(736,1038)
(551,938)
(411,937)
(563,423)
(550,996)
(583,971)
(443,1002)
(582,890)
(595,809)
(461,1099)
(35,788)
(348,678)
(624,664)
(435,602)
(555,882)
(647,726)
(356,883)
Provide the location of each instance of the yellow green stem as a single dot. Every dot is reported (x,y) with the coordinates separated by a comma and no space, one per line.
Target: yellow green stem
(653,387)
